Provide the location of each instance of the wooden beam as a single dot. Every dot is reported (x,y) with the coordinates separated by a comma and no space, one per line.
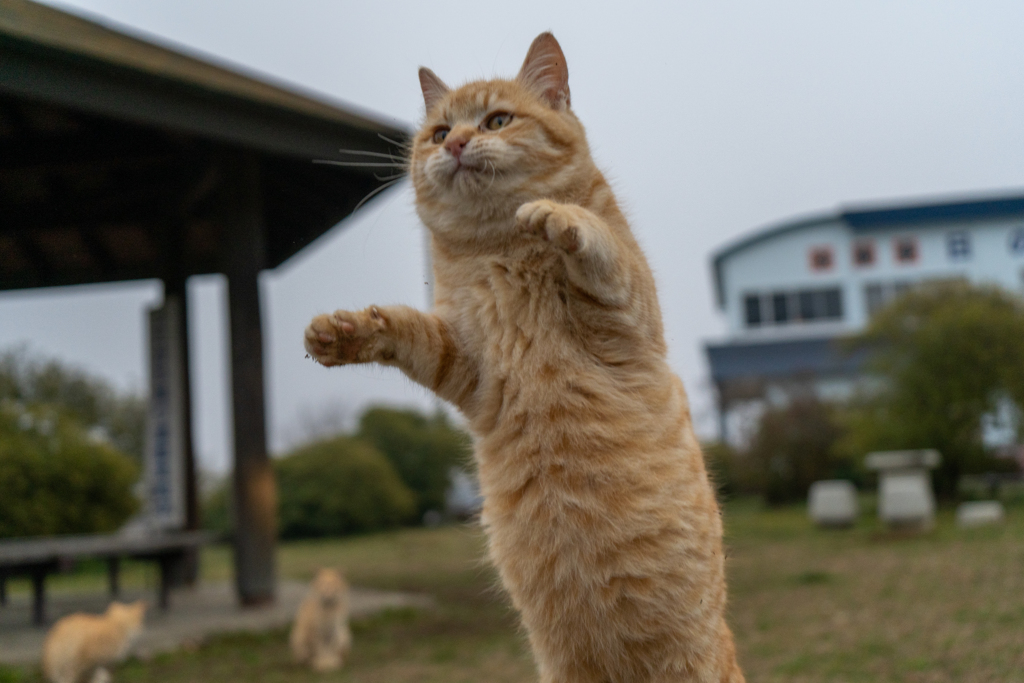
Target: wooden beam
(255,489)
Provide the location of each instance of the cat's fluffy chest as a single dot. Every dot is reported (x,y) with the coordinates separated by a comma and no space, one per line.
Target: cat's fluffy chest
(511,313)
(512,310)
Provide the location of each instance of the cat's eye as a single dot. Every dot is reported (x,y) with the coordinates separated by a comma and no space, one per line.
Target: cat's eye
(499,120)
(439,135)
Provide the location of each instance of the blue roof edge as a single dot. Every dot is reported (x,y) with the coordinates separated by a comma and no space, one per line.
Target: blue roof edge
(982,209)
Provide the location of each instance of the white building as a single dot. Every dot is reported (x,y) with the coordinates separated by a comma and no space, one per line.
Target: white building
(790,291)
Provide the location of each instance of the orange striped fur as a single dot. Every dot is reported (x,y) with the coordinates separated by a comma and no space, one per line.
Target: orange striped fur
(80,646)
(547,335)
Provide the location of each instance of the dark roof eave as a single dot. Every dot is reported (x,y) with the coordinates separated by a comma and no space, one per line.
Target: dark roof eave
(944,212)
(767,359)
(86,84)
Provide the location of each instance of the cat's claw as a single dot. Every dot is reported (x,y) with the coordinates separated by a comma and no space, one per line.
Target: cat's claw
(551,221)
(345,337)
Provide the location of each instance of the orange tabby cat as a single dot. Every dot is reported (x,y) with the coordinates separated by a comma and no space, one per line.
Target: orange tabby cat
(320,636)
(79,647)
(547,335)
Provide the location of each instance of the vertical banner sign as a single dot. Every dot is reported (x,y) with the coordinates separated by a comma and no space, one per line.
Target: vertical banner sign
(165,454)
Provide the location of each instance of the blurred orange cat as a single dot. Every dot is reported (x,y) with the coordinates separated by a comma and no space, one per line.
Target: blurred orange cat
(79,647)
(547,335)
(320,635)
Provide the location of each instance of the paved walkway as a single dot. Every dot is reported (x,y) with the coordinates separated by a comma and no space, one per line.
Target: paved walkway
(194,615)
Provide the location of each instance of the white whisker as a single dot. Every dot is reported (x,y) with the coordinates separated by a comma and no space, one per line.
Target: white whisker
(331,162)
(494,172)
(389,177)
(379,155)
(374,192)
(400,145)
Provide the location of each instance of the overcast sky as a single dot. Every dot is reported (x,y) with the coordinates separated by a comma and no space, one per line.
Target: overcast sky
(712,119)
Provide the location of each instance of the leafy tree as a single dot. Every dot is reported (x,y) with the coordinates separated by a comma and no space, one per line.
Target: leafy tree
(422,449)
(948,354)
(90,400)
(55,479)
(794,446)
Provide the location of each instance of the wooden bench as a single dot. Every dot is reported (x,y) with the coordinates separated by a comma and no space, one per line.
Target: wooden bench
(38,557)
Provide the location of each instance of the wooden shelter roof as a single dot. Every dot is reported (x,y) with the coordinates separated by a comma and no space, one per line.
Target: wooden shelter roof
(113,153)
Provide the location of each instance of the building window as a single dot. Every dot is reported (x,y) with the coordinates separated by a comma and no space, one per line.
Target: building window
(1017,241)
(833,304)
(807,307)
(958,245)
(864,253)
(906,249)
(878,295)
(752,305)
(821,258)
(785,308)
(874,297)
(780,308)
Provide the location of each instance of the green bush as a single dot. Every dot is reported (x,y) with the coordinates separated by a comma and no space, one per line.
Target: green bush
(339,486)
(328,488)
(54,479)
(422,449)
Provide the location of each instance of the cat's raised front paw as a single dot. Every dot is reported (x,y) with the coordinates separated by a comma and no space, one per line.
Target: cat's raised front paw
(552,221)
(346,337)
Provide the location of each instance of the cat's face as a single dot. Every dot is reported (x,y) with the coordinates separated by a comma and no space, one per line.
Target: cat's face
(330,586)
(489,146)
(131,614)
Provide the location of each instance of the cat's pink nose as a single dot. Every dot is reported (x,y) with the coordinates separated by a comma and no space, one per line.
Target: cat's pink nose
(455,144)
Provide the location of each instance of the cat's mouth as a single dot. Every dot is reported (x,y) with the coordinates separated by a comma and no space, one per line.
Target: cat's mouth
(468,168)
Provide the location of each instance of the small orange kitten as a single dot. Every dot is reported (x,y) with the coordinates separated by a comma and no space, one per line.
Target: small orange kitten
(79,647)
(547,335)
(320,636)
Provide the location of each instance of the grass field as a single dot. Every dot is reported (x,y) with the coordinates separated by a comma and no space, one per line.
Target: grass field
(806,605)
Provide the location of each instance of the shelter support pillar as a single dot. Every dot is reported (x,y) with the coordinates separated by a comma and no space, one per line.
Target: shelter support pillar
(255,490)
(175,289)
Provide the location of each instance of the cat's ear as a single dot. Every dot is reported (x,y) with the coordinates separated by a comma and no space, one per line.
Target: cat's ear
(545,72)
(433,87)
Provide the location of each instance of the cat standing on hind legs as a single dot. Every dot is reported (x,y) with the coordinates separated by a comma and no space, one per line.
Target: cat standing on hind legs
(547,335)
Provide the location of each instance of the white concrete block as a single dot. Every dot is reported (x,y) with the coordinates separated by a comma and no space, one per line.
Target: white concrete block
(833,502)
(905,499)
(979,513)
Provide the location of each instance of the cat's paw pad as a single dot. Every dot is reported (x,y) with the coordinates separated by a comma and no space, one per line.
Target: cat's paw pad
(346,337)
(551,221)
